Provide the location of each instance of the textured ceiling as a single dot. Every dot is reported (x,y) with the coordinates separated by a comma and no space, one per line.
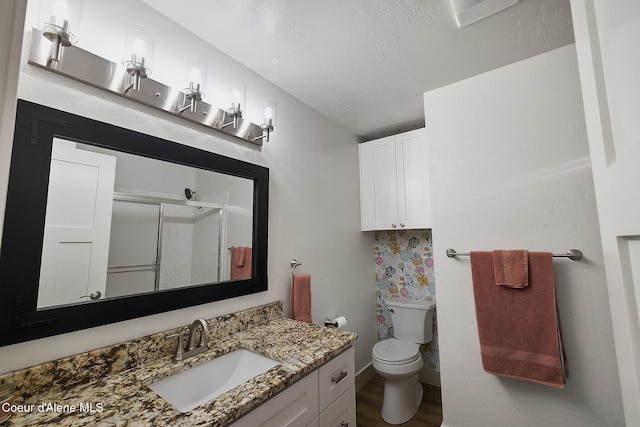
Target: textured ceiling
(366,63)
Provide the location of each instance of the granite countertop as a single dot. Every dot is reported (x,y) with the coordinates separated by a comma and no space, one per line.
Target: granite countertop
(122,397)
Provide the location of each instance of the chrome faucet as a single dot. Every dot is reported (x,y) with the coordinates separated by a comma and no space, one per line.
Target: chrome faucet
(192,348)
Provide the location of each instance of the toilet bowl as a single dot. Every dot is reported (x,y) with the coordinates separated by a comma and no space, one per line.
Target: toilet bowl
(399,361)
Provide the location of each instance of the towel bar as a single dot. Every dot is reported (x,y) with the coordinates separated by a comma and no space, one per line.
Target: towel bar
(572,254)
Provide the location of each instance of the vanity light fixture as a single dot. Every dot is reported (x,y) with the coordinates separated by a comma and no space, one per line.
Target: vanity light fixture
(270,113)
(121,78)
(195,72)
(55,19)
(138,54)
(238,95)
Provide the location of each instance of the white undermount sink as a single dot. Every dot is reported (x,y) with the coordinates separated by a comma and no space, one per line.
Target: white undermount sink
(200,384)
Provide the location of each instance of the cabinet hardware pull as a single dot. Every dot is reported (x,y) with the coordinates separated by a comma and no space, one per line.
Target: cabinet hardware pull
(344,424)
(393,225)
(402,225)
(340,377)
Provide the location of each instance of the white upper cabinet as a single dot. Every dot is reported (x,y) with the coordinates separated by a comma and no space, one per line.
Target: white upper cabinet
(394,182)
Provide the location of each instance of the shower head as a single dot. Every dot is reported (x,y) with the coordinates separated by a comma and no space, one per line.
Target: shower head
(189,193)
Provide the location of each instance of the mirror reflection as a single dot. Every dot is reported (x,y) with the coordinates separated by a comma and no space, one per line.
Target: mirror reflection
(119,224)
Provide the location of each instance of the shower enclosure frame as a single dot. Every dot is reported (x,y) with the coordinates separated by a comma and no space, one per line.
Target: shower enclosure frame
(161,202)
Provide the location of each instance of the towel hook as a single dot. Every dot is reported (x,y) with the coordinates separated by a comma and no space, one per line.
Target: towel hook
(294,264)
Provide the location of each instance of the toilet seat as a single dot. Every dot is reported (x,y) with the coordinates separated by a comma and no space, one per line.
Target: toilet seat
(396,352)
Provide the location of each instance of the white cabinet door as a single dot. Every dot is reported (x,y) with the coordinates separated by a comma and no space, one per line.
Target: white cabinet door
(414,210)
(75,246)
(394,187)
(607,34)
(378,185)
(296,406)
(342,412)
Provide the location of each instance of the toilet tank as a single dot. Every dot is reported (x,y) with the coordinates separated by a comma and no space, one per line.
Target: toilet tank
(412,319)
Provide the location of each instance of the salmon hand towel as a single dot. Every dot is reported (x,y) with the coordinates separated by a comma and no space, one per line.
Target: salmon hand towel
(511,268)
(519,328)
(240,263)
(301,297)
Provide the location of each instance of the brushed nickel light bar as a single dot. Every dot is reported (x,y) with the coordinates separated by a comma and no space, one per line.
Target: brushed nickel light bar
(125,80)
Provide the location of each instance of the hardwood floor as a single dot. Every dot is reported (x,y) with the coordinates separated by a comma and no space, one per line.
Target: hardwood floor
(369,403)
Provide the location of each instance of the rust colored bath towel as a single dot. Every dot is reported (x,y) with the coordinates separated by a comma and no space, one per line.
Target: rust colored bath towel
(519,328)
(511,268)
(240,263)
(301,297)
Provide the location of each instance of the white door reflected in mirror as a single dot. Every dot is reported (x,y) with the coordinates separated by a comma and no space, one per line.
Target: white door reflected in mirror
(76,241)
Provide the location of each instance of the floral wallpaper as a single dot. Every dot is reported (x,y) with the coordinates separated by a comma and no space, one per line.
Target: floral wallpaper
(404,268)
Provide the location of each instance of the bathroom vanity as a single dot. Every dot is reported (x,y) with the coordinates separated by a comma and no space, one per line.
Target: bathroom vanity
(325,397)
(313,384)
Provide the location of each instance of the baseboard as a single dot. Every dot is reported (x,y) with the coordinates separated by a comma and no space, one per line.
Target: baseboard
(430,376)
(364,376)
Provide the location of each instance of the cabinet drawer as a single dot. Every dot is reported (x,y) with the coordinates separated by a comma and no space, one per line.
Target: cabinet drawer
(335,377)
(296,406)
(342,412)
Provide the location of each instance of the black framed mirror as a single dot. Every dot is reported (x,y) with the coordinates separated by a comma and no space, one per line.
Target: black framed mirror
(104,224)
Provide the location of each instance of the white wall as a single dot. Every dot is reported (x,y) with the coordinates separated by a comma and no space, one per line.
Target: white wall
(237,193)
(314,203)
(510,168)
(11,16)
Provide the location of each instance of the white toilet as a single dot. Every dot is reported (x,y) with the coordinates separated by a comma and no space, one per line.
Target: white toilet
(398,360)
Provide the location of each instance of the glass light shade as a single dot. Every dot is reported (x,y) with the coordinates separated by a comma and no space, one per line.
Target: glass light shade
(60,17)
(195,72)
(138,48)
(270,111)
(238,94)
